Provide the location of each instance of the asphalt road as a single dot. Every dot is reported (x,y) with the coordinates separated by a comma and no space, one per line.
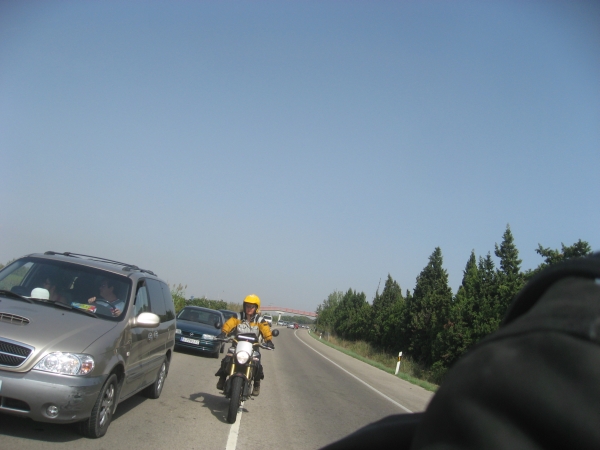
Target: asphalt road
(312,395)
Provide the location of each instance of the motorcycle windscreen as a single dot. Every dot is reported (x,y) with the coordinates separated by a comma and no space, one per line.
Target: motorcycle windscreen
(244,346)
(249,337)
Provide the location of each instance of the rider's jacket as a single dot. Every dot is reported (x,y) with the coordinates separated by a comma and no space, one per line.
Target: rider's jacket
(256,326)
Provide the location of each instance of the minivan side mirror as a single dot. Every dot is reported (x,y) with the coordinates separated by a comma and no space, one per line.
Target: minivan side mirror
(145,320)
(218,324)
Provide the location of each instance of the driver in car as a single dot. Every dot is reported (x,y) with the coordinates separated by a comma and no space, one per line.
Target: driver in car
(248,321)
(108,296)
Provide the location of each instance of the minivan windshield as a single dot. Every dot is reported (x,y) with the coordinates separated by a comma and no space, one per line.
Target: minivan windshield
(55,282)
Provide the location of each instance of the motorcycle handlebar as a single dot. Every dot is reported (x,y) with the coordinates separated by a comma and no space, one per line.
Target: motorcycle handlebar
(232,339)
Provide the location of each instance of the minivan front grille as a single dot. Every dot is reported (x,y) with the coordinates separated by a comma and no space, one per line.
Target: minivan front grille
(13,354)
(13,318)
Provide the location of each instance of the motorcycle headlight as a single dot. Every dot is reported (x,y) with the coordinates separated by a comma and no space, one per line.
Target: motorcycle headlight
(242,357)
(66,363)
(208,337)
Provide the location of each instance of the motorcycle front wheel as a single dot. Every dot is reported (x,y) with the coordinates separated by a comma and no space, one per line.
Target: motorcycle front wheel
(236,391)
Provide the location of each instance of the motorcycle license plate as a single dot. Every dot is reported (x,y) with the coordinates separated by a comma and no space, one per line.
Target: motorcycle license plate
(190,341)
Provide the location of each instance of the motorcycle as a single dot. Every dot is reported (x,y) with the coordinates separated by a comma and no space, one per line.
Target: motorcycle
(241,370)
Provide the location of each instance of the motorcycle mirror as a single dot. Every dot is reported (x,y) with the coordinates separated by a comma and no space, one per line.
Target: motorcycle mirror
(275,332)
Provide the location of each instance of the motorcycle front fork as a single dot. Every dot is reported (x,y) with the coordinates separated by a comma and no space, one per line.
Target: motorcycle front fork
(233,370)
(248,371)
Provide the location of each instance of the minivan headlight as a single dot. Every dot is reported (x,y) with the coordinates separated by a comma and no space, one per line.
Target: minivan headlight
(66,363)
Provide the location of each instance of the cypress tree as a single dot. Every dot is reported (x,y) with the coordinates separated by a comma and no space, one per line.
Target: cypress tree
(485,319)
(509,277)
(455,338)
(386,314)
(429,308)
(577,250)
(375,332)
(326,310)
(352,316)
(472,315)
(405,330)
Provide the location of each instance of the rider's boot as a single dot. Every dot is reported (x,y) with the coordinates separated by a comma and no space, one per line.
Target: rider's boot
(221,383)
(256,389)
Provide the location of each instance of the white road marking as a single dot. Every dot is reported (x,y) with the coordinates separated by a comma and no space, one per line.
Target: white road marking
(234,430)
(352,375)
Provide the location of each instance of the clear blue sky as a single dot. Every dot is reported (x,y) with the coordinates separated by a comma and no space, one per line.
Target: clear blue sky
(290,149)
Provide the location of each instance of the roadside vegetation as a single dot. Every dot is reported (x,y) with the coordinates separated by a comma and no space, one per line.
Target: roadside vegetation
(432,326)
(365,352)
(178,294)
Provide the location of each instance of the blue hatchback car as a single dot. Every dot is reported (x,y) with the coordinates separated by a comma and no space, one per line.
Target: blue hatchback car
(197,329)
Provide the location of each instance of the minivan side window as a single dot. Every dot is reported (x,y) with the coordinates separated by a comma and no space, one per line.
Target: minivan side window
(157,302)
(142,303)
(169,305)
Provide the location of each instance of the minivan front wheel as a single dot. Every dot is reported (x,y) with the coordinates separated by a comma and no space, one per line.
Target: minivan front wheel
(103,410)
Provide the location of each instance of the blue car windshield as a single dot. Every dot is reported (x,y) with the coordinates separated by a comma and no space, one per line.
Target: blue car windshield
(194,315)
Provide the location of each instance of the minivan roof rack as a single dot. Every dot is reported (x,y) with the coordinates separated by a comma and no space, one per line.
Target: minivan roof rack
(97,258)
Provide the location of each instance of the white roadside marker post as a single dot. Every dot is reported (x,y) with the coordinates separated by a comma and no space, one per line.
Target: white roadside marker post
(398,363)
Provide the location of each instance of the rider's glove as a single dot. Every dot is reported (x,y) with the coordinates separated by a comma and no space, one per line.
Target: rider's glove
(270,345)
(221,335)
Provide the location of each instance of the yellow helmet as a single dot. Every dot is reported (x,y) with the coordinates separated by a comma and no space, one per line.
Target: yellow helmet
(253,299)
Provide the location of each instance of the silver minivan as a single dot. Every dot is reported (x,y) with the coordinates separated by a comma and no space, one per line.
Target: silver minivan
(78,335)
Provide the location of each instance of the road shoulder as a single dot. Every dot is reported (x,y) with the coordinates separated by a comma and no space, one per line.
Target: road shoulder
(410,396)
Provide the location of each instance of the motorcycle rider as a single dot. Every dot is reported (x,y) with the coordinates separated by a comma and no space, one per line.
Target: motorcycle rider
(247,321)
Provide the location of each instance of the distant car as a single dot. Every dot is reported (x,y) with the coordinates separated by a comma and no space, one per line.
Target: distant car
(295,325)
(291,325)
(280,323)
(197,328)
(269,319)
(80,334)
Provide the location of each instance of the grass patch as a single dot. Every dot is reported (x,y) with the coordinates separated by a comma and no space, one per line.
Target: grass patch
(363,351)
